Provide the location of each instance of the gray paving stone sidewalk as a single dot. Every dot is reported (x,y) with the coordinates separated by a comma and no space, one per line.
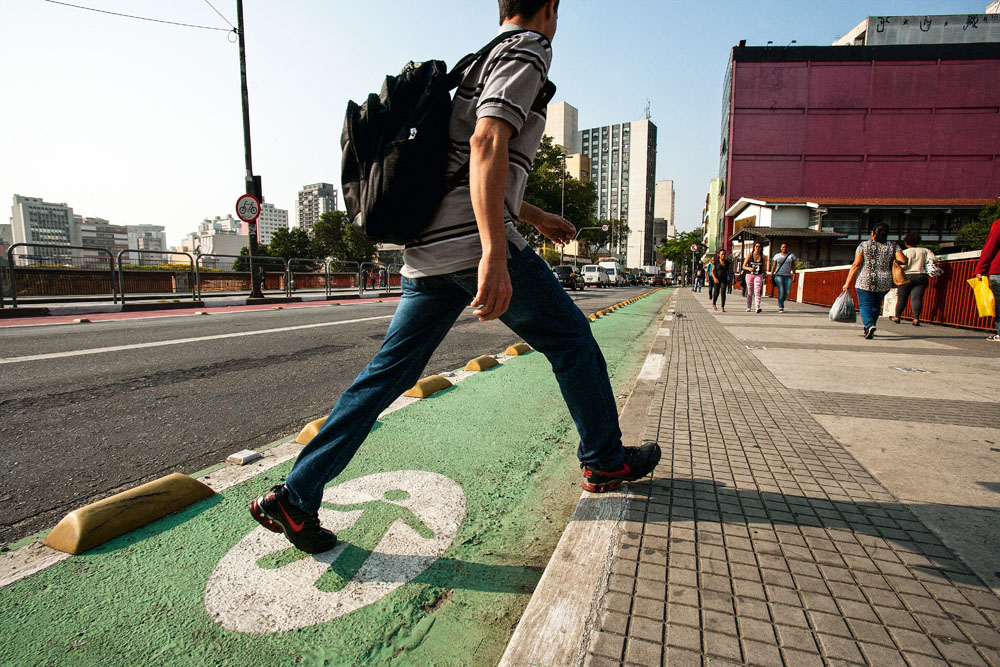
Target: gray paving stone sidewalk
(760,540)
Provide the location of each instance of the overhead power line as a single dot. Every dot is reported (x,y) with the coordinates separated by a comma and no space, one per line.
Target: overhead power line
(220,14)
(143,18)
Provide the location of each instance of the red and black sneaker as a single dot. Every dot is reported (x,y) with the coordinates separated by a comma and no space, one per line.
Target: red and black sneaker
(639,462)
(276,512)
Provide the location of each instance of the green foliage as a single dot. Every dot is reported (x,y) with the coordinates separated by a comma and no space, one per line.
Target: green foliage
(289,243)
(545,190)
(678,249)
(551,256)
(333,236)
(973,234)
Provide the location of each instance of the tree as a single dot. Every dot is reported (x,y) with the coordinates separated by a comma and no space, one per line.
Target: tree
(334,236)
(678,250)
(973,234)
(289,243)
(545,190)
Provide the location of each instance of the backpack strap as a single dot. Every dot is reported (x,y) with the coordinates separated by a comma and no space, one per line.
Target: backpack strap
(457,72)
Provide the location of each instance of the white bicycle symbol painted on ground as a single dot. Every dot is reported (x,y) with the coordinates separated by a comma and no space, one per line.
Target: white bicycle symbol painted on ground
(261,585)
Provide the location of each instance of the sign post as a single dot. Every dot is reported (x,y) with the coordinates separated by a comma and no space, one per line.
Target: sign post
(248,210)
(694,255)
(253,186)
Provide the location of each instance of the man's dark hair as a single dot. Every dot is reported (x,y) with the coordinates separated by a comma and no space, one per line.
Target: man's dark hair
(912,239)
(525,8)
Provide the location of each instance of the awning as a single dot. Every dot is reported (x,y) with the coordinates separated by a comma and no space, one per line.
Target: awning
(772,233)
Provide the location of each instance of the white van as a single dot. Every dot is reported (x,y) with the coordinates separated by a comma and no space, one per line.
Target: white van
(614,271)
(595,275)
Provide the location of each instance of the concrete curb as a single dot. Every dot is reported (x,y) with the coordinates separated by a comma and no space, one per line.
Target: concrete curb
(555,626)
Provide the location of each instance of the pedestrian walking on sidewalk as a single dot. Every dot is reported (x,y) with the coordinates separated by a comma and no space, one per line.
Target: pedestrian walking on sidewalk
(699,279)
(989,265)
(873,269)
(472,254)
(721,277)
(753,269)
(710,280)
(916,277)
(782,272)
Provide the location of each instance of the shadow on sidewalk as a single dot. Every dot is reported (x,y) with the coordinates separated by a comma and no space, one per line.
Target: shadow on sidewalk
(875,537)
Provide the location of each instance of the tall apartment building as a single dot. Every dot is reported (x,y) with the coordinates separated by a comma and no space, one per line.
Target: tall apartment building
(664,226)
(271,220)
(623,165)
(36,221)
(314,201)
(150,238)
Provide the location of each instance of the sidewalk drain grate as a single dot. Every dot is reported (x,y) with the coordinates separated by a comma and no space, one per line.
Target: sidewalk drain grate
(910,370)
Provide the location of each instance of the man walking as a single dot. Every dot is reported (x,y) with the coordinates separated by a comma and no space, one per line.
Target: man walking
(472,254)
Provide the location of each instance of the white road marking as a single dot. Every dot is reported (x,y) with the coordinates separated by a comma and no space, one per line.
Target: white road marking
(181,341)
(652,369)
(242,596)
(663,332)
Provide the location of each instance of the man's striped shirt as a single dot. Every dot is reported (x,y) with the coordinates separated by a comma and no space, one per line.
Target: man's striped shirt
(504,84)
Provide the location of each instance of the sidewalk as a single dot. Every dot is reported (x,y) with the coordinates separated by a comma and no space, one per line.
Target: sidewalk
(822,499)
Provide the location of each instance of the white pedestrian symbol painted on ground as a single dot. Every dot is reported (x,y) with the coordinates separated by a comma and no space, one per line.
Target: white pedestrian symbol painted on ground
(246,595)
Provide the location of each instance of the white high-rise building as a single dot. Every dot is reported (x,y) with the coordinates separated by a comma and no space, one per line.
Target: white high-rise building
(271,220)
(314,201)
(663,212)
(36,221)
(151,238)
(623,166)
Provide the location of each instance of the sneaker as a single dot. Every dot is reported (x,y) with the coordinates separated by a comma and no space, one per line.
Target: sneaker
(639,462)
(781,310)
(995,338)
(758,310)
(748,309)
(870,333)
(276,512)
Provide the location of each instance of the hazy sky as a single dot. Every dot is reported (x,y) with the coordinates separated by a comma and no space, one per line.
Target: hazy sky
(140,122)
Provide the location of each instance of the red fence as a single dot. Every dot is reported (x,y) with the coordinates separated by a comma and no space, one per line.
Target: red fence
(948,299)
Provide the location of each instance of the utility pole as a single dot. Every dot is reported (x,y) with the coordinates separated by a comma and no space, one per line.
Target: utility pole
(253,185)
(562,204)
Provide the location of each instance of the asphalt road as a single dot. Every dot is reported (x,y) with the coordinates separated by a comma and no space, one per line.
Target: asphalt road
(77,428)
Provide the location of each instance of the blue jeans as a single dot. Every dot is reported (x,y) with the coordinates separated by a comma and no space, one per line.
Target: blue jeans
(784,284)
(540,312)
(870,307)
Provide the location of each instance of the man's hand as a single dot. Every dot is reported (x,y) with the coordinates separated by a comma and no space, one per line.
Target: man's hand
(495,290)
(555,227)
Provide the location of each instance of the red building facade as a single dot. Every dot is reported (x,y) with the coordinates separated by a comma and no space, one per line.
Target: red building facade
(917,125)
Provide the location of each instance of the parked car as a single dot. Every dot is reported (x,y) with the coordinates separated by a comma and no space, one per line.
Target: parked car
(596,275)
(657,281)
(569,276)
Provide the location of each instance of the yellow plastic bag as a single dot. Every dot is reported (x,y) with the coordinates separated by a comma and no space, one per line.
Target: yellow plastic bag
(985,301)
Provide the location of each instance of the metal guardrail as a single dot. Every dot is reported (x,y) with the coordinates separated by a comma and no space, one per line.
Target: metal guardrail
(336,267)
(372,276)
(121,267)
(256,258)
(320,263)
(61,256)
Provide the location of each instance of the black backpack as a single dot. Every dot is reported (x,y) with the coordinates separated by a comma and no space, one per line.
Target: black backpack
(395,149)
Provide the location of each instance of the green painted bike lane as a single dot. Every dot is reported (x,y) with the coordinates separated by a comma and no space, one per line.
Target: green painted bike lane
(447,517)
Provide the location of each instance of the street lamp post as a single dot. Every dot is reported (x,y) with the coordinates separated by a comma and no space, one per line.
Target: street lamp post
(562,203)
(253,186)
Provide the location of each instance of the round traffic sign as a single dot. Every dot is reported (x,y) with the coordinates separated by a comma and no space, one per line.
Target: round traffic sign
(694,247)
(248,208)
(605,228)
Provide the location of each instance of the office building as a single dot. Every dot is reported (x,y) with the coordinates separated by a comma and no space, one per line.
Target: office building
(712,229)
(99,233)
(934,29)
(314,201)
(664,226)
(271,220)
(622,161)
(151,240)
(37,221)
(853,136)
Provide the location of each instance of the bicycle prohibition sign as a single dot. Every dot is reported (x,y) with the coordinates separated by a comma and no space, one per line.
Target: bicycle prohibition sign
(248,208)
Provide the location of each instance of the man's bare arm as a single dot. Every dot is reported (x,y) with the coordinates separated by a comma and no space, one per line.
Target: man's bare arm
(488,166)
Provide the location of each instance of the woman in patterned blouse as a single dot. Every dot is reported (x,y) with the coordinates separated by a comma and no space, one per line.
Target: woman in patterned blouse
(873,267)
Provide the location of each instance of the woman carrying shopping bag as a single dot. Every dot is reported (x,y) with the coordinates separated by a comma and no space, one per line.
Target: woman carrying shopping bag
(873,268)
(753,269)
(989,265)
(916,277)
